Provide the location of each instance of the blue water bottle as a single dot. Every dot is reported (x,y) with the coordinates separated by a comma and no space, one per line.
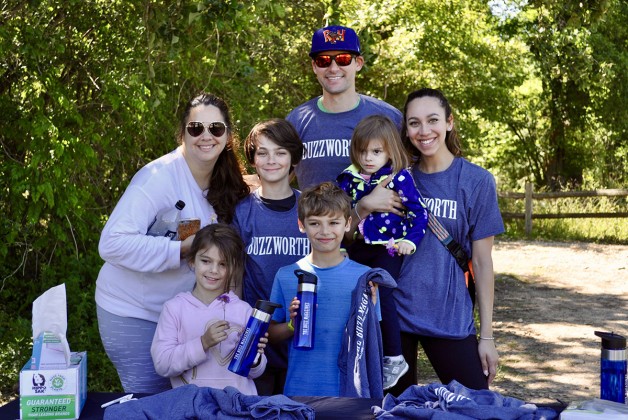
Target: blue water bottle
(613,367)
(305,321)
(256,327)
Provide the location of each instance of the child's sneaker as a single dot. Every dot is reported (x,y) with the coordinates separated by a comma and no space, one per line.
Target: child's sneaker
(393,370)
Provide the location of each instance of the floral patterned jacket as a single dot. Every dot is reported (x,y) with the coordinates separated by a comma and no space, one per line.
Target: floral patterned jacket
(380,228)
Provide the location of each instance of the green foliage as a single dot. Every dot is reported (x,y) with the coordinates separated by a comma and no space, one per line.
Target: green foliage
(454,46)
(16,344)
(90,91)
(578,58)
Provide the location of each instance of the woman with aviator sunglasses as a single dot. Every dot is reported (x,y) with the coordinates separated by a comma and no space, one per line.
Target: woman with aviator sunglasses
(141,272)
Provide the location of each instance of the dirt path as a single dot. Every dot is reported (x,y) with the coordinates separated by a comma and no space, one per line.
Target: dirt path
(549,299)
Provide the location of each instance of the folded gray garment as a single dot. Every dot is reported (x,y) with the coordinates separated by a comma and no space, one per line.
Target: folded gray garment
(455,401)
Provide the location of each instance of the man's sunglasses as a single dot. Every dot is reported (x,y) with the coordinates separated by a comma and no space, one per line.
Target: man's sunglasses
(217,128)
(342,60)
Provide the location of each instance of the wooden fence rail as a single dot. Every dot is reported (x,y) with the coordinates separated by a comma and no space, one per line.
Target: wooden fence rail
(529,195)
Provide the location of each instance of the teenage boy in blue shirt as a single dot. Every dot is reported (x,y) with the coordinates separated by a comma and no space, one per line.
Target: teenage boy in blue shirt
(267,223)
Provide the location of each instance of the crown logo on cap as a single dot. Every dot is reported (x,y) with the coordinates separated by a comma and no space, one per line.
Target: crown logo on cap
(334,36)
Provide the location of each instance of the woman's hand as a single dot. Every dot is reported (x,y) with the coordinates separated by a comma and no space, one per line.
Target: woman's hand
(216,333)
(186,245)
(382,200)
(489,358)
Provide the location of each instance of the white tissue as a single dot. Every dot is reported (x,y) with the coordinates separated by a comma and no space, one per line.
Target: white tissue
(50,321)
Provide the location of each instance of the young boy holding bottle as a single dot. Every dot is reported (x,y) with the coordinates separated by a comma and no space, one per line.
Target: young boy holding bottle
(324,215)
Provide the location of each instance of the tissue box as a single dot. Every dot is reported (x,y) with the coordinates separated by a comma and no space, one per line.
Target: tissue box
(54,393)
(50,351)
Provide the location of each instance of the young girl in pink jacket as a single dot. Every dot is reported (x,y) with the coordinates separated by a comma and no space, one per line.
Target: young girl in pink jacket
(198,331)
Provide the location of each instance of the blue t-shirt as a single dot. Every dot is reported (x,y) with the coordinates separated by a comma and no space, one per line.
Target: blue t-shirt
(272,240)
(431,294)
(327,137)
(315,372)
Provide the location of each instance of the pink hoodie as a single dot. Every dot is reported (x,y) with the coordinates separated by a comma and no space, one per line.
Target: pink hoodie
(178,352)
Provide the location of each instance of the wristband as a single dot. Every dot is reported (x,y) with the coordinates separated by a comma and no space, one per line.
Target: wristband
(487,338)
(290,325)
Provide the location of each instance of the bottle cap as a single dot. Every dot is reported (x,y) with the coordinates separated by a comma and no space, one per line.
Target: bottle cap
(266,306)
(180,204)
(612,341)
(306,277)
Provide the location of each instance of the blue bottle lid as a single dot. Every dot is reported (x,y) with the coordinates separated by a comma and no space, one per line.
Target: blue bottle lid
(612,341)
(266,306)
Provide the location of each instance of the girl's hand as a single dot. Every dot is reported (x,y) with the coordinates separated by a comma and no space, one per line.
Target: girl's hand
(262,344)
(404,248)
(216,333)
(373,287)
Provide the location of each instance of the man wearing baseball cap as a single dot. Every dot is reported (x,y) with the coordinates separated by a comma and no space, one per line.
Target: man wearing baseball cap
(326,123)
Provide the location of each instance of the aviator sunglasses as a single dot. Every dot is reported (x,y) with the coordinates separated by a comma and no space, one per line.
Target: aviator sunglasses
(217,128)
(342,60)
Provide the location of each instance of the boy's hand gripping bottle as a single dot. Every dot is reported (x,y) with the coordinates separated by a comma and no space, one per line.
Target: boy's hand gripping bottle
(305,321)
(246,350)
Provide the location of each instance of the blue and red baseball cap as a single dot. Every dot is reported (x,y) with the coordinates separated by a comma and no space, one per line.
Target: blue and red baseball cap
(335,38)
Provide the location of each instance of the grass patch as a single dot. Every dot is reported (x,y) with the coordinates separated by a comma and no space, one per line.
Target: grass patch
(611,230)
(425,374)
(506,369)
